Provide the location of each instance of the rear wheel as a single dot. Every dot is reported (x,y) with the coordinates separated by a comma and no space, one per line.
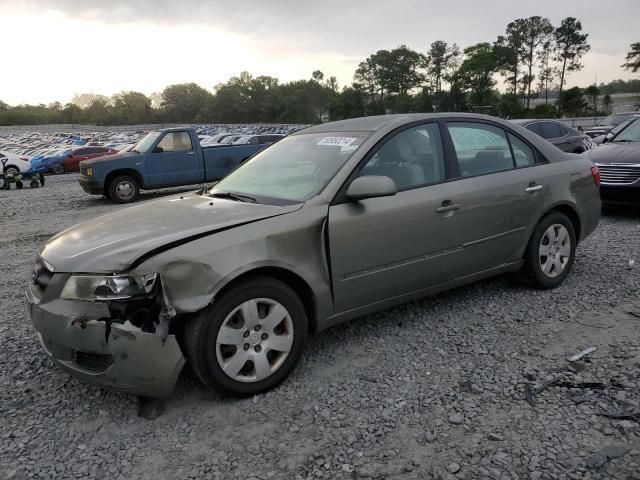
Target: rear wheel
(11,170)
(250,339)
(124,189)
(58,169)
(550,252)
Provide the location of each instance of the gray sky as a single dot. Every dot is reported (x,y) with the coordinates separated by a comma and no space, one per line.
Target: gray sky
(64,47)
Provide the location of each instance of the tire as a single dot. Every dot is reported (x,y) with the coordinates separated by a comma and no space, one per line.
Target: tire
(210,357)
(124,189)
(554,235)
(58,169)
(11,170)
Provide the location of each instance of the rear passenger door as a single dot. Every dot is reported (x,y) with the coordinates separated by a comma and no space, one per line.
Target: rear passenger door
(501,191)
(174,161)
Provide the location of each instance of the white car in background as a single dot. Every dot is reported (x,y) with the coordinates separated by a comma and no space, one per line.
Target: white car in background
(13,164)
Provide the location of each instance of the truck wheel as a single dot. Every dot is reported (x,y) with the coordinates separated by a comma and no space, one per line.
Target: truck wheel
(250,339)
(124,189)
(550,253)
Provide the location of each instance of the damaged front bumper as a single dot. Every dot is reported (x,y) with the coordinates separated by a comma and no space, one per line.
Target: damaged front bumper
(83,339)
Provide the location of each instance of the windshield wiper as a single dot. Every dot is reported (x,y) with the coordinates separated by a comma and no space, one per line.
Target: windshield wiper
(239,197)
(621,141)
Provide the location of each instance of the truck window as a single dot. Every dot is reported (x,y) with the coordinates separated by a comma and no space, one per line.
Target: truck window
(176,142)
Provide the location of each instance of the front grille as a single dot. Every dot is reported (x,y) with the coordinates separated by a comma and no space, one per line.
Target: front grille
(93,362)
(619,174)
(83,169)
(40,277)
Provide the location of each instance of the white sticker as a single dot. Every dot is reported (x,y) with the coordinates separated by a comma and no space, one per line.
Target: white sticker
(337,141)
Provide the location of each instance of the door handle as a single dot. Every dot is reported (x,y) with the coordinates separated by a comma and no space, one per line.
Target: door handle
(533,188)
(447,206)
(191,153)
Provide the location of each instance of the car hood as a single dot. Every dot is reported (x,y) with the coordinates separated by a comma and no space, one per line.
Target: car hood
(615,153)
(112,243)
(599,127)
(108,158)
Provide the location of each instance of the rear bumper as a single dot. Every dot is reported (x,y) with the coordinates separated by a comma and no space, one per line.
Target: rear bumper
(91,186)
(620,194)
(76,336)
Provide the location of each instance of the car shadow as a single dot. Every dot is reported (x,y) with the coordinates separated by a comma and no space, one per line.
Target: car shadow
(623,212)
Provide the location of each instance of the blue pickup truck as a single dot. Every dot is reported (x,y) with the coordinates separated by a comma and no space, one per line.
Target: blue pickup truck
(164,158)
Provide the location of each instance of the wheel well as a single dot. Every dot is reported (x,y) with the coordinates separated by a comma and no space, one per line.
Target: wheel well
(11,165)
(294,281)
(571,214)
(125,171)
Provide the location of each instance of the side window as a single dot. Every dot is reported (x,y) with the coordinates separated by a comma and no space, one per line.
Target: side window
(522,153)
(563,130)
(535,128)
(253,141)
(480,148)
(82,151)
(175,142)
(412,158)
(550,130)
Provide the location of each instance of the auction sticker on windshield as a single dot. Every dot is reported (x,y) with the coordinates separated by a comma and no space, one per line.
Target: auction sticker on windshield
(337,141)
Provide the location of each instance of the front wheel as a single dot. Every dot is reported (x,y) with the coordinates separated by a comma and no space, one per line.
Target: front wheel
(550,252)
(59,169)
(249,339)
(124,189)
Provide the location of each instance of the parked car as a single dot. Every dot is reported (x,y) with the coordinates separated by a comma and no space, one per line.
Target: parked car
(50,161)
(257,139)
(605,125)
(618,159)
(164,158)
(600,139)
(13,164)
(330,223)
(229,139)
(72,162)
(561,135)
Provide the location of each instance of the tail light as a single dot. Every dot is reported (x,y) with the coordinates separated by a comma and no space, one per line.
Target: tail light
(26,159)
(595,173)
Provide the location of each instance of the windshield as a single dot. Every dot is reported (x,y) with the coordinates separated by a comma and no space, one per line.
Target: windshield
(145,144)
(616,119)
(294,169)
(630,134)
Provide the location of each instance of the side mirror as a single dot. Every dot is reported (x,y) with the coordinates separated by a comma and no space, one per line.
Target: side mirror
(158,150)
(371,186)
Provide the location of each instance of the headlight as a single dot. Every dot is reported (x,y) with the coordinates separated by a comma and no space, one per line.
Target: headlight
(111,287)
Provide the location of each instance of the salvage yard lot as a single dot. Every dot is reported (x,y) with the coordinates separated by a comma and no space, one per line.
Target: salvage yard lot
(431,389)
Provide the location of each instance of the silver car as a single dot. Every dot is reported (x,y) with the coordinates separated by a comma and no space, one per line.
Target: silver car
(328,224)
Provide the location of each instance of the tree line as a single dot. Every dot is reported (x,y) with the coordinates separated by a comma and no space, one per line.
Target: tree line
(532,56)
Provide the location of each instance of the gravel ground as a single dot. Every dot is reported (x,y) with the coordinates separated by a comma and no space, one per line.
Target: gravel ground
(432,389)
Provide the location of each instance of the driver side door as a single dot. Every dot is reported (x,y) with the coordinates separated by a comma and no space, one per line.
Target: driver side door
(174,161)
(385,247)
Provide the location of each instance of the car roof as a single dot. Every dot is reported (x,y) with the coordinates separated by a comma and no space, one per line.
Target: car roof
(378,122)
